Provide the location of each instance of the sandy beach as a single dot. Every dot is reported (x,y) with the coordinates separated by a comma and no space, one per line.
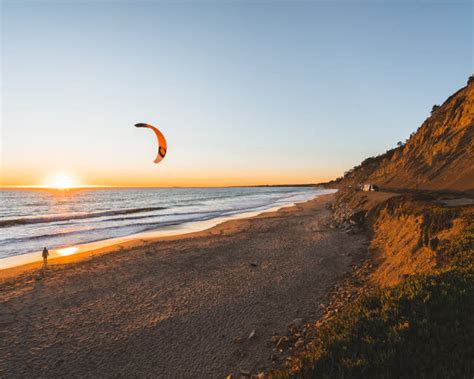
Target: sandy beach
(181,306)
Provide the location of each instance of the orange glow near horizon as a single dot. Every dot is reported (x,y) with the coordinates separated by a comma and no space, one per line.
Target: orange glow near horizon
(63,182)
(95,177)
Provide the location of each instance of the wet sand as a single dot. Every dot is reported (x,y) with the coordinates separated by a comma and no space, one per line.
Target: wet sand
(181,306)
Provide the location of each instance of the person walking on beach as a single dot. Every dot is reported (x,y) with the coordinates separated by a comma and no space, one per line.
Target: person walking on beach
(45,256)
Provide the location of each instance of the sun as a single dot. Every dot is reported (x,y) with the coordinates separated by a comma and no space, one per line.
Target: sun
(62,182)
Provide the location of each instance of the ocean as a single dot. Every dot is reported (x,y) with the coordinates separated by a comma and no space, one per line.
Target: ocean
(31,219)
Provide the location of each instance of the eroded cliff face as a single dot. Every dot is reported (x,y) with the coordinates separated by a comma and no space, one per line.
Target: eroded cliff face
(413,236)
(412,233)
(438,156)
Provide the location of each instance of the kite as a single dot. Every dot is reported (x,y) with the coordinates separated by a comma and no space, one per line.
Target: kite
(161,141)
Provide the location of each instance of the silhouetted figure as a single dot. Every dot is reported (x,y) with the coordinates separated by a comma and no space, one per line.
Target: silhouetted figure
(45,256)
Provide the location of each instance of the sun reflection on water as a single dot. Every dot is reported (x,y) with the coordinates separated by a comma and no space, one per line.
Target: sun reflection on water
(67,250)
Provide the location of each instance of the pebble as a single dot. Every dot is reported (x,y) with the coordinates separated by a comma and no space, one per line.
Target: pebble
(245,372)
(299,343)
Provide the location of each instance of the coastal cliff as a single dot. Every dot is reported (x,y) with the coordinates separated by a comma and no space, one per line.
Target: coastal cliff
(406,311)
(426,193)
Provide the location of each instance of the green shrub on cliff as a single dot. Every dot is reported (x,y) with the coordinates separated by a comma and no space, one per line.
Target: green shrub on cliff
(462,252)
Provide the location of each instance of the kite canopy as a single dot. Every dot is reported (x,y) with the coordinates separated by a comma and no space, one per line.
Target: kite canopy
(162,146)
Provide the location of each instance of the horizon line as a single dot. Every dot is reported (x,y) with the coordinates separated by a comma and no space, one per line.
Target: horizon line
(13,187)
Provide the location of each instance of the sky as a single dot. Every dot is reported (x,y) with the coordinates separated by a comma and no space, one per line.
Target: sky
(246,92)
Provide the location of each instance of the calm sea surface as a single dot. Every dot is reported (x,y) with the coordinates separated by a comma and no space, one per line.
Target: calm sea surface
(32,219)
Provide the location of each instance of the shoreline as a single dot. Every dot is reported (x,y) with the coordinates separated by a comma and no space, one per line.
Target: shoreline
(202,305)
(18,264)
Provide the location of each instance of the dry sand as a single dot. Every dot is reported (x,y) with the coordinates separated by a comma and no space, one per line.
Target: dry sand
(177,307)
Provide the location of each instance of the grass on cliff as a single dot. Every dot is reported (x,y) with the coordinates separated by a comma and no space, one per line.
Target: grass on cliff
(423,327)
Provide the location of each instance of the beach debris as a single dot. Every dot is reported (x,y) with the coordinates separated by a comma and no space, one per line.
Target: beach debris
(162,145)
(252,334)
(244,372)
(254,264)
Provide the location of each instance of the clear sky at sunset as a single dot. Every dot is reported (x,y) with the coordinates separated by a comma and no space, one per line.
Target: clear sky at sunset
(245,92)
